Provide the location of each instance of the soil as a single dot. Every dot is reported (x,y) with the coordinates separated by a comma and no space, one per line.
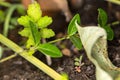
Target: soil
(20,69)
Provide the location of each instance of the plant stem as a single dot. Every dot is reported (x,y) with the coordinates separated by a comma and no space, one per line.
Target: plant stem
(8,58)
(115,23)
(114,1)
(60,39)
(5,4)
(31,59)
(8,17)
(1,51)
(7,20)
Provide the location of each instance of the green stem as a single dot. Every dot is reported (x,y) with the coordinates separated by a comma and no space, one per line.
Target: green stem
(60,39)
(1,51)
(5,4)
(7,20)
(31,59)
(114,23)
(8,58)
(114,1)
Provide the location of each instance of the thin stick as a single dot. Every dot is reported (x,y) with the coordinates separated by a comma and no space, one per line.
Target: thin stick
(8,58)
(60,39)
(31,59)
(114,1)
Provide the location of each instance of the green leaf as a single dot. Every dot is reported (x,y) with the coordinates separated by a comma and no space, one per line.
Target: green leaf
(102,17)
(94,40)
(31,52)
(76,63)
(49,49)
(13,21)
(25,32)
(30,42)
(34,11)
(24,21)
(35,33)
(32,33)
(72,27)
(47,33)
(64,76)
(21,10)
(102,21)
(76,59)
(76,41)
(110,33)
(44,21)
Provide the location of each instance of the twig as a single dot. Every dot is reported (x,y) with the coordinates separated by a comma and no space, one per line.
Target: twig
(31,59)
(60,39)
(114,1)
(114,23)
(8,58)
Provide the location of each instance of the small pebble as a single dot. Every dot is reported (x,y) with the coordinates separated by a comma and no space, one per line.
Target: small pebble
(18,62)
(6,77)
(66,52)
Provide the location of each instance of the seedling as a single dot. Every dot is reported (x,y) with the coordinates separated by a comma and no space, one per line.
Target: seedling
(114,1)
(78,63)
(35,28)
(102,22)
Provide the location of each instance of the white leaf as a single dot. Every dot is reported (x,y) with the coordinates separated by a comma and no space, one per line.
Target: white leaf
(94,42)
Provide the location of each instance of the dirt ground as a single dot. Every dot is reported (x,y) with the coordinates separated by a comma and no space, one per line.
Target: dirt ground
(20,69)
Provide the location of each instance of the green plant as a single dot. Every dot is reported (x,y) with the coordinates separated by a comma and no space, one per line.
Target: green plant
(93,39)
(9,21)
(102,22)
(35,28)
(114,1)
(72,30)
(78,63)
(30,58)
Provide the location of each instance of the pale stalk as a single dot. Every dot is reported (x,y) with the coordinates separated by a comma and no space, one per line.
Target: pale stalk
(31,59)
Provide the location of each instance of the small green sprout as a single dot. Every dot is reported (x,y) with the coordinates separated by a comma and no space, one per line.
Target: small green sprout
(102,22)
(72,30)
(36,28)
(78,63)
